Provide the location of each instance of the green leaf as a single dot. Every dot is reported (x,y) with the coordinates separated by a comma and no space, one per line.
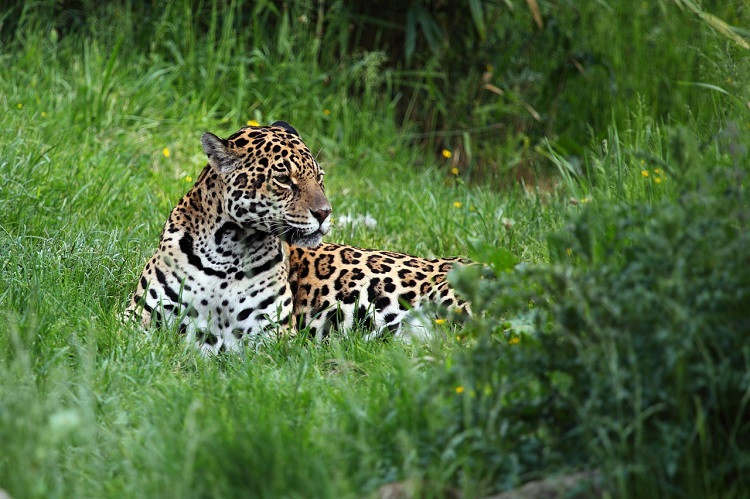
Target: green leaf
(430,29)
(478,15)
(410,42)
(498,258)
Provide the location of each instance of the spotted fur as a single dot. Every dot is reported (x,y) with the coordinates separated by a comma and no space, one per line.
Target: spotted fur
(240,257)
(337,288)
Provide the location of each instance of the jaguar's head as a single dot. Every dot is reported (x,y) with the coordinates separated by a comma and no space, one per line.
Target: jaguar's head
(272,182)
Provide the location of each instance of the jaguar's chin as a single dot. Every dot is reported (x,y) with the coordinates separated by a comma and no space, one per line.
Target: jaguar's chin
(299,238)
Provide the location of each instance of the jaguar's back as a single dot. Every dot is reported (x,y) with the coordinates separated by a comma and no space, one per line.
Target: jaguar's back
(338,287)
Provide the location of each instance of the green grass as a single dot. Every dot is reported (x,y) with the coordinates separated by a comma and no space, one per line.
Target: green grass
(91,407)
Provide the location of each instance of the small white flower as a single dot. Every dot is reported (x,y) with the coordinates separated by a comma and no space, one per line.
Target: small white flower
(370,222)
(355,220)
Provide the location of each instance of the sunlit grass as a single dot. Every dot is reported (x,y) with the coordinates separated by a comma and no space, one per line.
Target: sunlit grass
(96,151)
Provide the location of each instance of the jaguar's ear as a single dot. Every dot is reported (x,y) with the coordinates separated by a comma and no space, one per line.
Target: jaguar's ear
(286,126)
(219,155)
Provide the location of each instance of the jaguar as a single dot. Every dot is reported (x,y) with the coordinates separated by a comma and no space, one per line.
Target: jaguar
(241,257)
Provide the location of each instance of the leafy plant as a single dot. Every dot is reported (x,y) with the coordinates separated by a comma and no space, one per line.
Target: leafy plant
(628,351)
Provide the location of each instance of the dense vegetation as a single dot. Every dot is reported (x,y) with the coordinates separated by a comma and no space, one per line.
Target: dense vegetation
(594,154)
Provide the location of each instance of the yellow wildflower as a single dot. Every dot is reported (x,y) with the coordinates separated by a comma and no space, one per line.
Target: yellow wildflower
(165,152)
(44,114)
(447,154)
(644,173)
(327,112)
(188,179)
(252,123)
(440,322)
(19,106)
(514,341)
(657,180)
(454,170)
(585,200)
(569,252)
(459,390)
(657,170)
(457,204)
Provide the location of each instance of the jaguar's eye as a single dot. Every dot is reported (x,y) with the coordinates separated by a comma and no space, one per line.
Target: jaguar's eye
(284,179)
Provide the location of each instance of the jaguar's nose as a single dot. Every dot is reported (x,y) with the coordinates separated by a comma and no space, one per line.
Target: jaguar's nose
(321,213)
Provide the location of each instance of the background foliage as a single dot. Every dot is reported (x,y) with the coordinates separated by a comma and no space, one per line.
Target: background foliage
(603,145)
